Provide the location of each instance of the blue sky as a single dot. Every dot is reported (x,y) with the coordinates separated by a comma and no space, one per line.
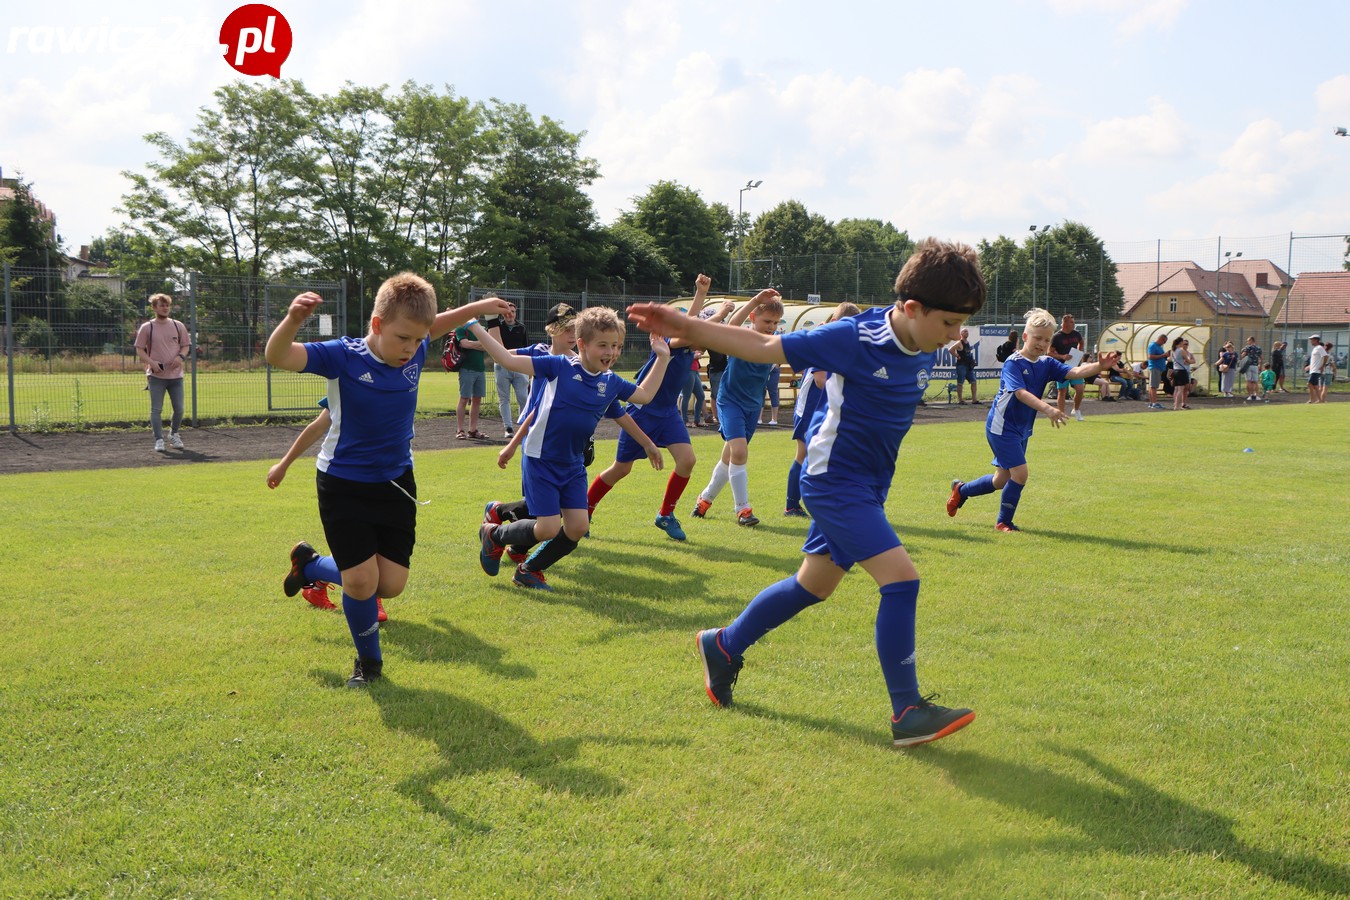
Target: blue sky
(1153,119)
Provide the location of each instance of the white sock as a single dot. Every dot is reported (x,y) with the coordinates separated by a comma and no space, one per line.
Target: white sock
(740,486)
(716,483)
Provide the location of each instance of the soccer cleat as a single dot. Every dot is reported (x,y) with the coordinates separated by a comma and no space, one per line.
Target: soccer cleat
(795,512)
(491,513)
(490,552)
(955,501)
(159,445)
(746,518)
(1006,526)
(316,594)
(380,615)
(720,668)
(527,579)
(701,508)
(518,556)
(365,671)
(926,721)
(671,526)
(302,554)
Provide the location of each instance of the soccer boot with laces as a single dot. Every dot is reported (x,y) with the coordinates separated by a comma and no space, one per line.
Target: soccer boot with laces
(316,594)
(701,508)
(720,668)
(1006,527)
(746,518)
(527,579)
(955,501)
(926,721)
(380,615)
(490,552)
(796,512)
(671,526)
(365,671)
(302,554)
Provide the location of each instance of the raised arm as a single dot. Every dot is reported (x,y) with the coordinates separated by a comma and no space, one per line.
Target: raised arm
(282,350)
(1090,370)
(451,319)
(701,285)
(500,355)
(731,339)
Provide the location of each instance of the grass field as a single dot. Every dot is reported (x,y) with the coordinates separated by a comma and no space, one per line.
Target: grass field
(1158,662)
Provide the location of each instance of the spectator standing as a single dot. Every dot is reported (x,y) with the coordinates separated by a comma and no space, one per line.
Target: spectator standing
(1227,366)
(1317,361)
(1182,360)
(1157,369)
(964,356)
(1066,346)
(511,334)
(1251,367)
(472,382)
(1008,347)
(1277,364)
(162,344)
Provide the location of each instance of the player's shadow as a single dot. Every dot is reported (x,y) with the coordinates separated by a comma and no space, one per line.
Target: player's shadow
(472,739)
(1126,815)
(1114,543)
(442,641)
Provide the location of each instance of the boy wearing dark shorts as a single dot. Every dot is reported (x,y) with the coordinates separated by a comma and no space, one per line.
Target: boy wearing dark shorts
(367,493)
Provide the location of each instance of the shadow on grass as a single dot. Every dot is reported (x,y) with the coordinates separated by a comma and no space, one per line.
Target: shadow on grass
(442,641)
(1126,816)
(472,739)
(878,735)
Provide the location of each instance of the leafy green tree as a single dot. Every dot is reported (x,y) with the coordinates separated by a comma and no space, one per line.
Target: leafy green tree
(636,260)
(878,251)
(536,228)
(27,240)
(684,227)
(785,250)
(1082,277)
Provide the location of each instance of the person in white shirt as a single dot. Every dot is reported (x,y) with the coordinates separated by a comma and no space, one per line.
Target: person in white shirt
(1317,362)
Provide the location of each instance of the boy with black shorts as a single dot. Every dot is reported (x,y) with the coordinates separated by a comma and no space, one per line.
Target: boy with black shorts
(879,364)
(367,493)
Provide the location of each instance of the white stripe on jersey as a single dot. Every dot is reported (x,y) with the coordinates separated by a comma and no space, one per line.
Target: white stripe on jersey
(1001,411)
(803,391)
(822,442)
(880,333)
(534,441)
(330,440)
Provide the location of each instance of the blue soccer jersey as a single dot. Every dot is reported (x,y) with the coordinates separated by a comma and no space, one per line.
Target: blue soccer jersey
(869,399)
(543,348)
(571,404)
(667,396)
(372,406)
(743,385)
(1010,416)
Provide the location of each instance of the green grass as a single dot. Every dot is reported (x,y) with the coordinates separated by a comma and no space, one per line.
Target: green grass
(1158,663)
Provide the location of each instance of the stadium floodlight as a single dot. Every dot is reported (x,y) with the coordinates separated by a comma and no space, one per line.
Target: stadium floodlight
(1341,132)
(740,205)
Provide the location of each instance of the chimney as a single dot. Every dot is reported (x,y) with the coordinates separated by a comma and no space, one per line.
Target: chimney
(84,252)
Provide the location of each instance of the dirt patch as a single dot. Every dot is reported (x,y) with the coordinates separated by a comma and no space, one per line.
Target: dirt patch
(69,451)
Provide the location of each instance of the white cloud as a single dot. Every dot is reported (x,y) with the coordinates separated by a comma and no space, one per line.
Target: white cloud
(1159,134)
(1132,17)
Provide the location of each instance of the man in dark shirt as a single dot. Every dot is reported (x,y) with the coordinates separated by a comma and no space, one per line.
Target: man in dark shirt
(511,334)
(1062,347)
(1008,347)
(964,356)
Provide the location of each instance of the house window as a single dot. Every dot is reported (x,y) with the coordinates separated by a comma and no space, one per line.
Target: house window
(1172,305)
(1262,279)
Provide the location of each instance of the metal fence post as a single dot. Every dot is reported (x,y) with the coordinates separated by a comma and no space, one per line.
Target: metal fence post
(9,349)
(192,339)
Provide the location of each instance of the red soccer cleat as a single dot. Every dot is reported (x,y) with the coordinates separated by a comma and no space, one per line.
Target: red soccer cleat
(316,594)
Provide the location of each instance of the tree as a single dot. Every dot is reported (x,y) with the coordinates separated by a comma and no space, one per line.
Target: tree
(536,228)
(1082,277)
(27,239)
(785,249)
(636,260)
(878,251)
(685,229)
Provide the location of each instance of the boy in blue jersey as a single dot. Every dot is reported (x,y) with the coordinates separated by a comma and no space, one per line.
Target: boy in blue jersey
(740,397)
(879,364)
(576,393)
(1013,414)
(367,493)
(661,421)
(808,401)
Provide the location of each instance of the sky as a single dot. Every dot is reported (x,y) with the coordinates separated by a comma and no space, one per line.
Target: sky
(1184,121)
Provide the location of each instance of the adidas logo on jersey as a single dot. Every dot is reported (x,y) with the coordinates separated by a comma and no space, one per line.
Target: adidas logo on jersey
(577,378)
(367,378)
(881,373)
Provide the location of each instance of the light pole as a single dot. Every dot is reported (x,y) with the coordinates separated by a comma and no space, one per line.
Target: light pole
(1227,255)
(1036,233)
(740,226)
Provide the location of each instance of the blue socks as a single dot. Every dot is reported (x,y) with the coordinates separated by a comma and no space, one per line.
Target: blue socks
(979,487)
(775,605)
(1012,493)
(323,568)
(895,642)
(794,487)
(364,624)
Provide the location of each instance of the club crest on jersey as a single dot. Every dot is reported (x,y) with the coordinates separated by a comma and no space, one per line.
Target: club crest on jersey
(410,372)
(601,388)
(923,379)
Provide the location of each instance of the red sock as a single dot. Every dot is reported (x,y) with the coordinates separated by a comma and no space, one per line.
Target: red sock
(599,488)
(674,488)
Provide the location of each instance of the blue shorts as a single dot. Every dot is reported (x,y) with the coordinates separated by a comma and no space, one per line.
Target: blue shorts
(664,427)
(552,485)
(1065,385)
(801,425)
(848,532)
(1010,451)
(733,422)
(965,373)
